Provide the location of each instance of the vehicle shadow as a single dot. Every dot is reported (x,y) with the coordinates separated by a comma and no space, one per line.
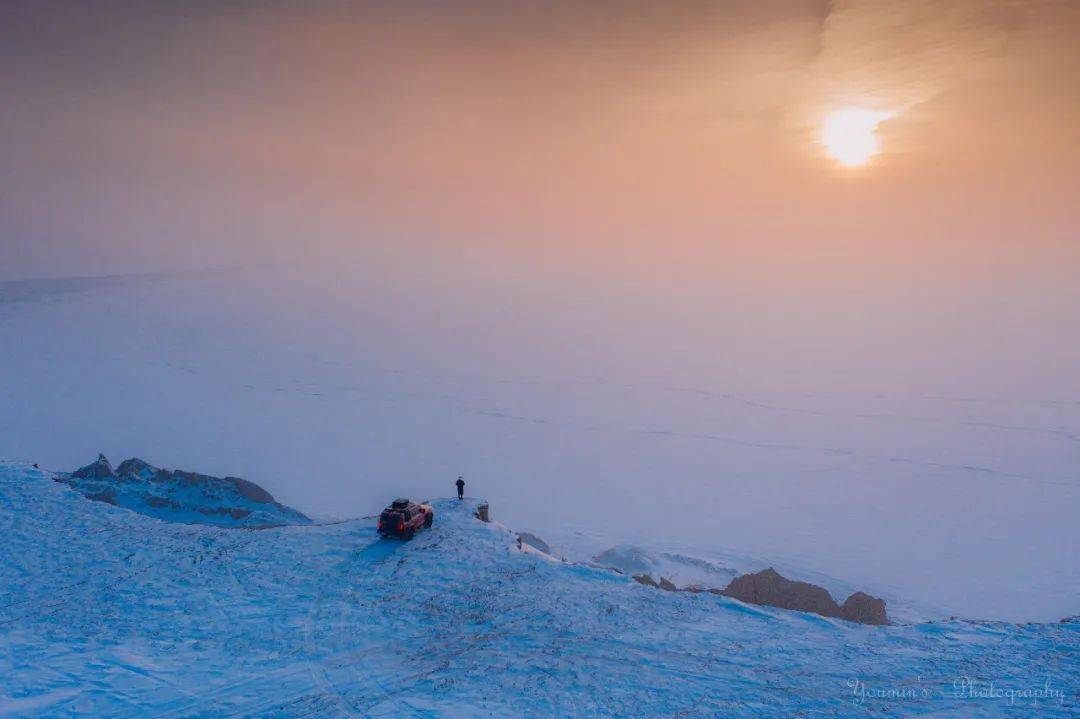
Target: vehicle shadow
(380,550)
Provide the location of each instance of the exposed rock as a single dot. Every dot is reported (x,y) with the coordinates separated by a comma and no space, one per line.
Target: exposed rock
(482,513)
(135,469)
(100,469)
(179,496)
(535,542)
(666,584)
(250,490)
(769,588)
(864,609)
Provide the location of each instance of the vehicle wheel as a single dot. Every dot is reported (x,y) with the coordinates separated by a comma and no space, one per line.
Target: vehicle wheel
(429,519)
(409,533)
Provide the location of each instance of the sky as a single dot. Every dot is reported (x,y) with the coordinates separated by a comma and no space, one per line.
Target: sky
(578,251)
(596,138)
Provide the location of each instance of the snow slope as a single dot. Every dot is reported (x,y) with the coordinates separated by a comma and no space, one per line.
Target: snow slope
(109,613)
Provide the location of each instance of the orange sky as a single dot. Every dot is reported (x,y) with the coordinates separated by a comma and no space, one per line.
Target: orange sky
(628,137)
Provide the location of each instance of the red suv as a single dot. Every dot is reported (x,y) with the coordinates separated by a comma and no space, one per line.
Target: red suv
(402,518)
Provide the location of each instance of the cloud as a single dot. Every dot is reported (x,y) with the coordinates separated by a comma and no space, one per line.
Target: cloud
(894,55)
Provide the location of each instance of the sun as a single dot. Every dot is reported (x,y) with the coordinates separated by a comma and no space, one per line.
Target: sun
(849,135)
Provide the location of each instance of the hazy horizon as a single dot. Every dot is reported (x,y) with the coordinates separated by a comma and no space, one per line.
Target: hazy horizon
(554,399)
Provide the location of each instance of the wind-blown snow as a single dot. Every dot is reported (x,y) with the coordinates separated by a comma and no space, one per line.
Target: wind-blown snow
(106,612)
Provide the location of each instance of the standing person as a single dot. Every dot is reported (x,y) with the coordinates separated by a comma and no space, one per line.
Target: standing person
(460,488)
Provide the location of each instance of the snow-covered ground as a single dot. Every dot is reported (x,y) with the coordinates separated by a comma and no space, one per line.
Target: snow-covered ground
(337,392)
(109,613)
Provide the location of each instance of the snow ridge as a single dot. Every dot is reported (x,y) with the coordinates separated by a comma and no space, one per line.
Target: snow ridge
(111,613)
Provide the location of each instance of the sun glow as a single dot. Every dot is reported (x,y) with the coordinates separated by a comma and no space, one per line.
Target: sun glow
(849,135)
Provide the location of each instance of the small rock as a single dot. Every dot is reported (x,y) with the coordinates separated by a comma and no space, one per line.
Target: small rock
(864,609)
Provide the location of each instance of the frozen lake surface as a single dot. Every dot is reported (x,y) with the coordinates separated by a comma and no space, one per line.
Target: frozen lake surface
(587,421)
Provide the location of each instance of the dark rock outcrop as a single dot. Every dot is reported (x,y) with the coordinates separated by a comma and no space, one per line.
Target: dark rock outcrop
(179,496)
(648,581)
(99,469)
(769,588)
(667,585)
(250,490)
(864,609)
(135,469)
